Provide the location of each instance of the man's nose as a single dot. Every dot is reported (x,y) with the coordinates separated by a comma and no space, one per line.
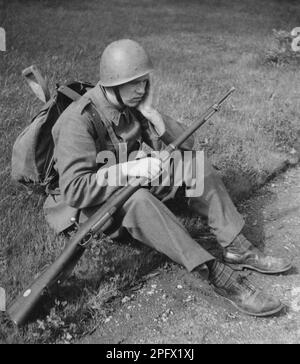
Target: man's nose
(141,87)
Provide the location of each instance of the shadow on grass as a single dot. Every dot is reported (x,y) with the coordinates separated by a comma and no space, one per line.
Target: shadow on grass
(255,219)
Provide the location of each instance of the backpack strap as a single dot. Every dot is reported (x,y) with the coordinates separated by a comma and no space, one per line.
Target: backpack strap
(67,91)
(97,116)
(113,137)
(96,121)
(49,176)
(102,125)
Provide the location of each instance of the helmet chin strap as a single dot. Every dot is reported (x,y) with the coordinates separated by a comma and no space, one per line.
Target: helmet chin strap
(113,96)
(118,96)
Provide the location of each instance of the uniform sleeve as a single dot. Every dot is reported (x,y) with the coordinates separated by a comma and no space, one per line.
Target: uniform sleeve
(75,156)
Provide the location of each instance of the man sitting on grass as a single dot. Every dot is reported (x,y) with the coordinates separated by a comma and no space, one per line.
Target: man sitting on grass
(118,110)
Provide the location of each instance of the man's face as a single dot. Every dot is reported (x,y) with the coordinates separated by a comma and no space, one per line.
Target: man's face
(133,92)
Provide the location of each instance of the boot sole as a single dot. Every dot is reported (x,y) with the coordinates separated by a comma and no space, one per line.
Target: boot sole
(246,266)
(264,314)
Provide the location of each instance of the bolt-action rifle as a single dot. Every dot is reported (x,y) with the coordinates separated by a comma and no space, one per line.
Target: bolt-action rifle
(22,308)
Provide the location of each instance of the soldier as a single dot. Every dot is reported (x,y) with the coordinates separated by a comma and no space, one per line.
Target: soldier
(118,110)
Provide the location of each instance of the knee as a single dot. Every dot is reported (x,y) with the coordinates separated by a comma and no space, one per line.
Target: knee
(141,196)
(142,201)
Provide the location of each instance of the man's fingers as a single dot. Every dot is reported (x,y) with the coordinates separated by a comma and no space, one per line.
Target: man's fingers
(147,167)
(155,167)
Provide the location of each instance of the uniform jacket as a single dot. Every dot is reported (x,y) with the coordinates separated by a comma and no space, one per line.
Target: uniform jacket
(78,138)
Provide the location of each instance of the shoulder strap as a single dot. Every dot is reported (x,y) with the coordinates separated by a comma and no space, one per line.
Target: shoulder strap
(49,176)
(67,91)
(98,121)
(113,137)
(97,117)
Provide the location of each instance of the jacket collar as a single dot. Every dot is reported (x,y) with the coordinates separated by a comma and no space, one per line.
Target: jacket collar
(99,99)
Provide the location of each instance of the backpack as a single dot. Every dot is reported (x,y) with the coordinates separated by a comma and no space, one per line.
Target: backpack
(32,154)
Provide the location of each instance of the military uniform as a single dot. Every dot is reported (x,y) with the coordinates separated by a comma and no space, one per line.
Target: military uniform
(94,124)
(79,137)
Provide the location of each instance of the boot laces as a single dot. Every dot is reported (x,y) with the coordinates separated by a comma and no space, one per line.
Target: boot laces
(244,282)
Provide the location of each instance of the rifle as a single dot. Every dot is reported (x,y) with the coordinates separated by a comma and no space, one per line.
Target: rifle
(21,309)
(37,83)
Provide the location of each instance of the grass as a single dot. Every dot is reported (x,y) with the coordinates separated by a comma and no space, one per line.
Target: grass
(200,49)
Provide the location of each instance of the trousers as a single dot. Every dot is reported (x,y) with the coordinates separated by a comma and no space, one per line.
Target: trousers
(148,220)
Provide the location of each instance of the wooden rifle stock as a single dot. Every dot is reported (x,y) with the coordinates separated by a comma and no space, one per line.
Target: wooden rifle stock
(21,309)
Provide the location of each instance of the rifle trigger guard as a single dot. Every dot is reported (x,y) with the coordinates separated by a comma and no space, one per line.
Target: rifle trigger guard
(87,240)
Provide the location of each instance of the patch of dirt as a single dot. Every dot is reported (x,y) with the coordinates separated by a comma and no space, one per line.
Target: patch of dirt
(174,306)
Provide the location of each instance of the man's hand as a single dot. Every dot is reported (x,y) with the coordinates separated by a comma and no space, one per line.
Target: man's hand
(146,105)
(149,112)
(146,168)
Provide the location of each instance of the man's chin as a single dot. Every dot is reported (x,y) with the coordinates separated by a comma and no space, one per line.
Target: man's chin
(133,103)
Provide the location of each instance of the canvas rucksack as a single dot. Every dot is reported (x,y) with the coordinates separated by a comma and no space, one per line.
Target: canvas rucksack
(32,155)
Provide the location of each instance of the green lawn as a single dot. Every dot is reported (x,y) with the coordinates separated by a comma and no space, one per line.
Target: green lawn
(200,49)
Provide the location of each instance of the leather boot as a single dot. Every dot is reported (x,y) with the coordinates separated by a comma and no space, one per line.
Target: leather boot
(242,254)
(241,293)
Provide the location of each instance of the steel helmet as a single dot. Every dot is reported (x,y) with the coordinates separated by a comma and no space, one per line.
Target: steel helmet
(123,61)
